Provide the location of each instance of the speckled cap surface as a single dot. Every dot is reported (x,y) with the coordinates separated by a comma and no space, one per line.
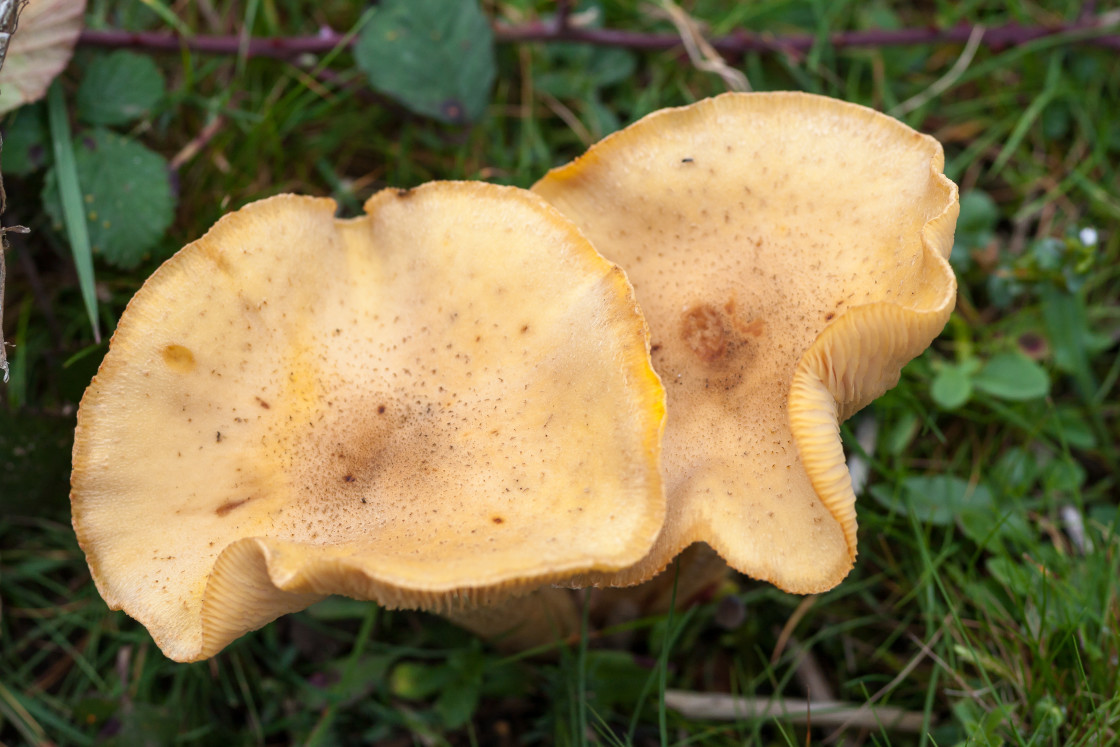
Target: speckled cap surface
(789,252)
(442,402)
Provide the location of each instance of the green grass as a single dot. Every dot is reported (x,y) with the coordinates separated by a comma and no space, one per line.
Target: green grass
(999,627)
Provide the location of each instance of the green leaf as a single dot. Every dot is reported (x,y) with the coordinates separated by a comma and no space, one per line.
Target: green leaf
(1013,574)
(456,704)
(952,386)
(434,56)
(936,499)
(987,526)
(26,141)
(416,681)
(975,227)
(1063,476)
(119,88)
(145,725)
(610,65)
(127,195)
(1069,426)
(1067,328)
(901,434)
(614,679)
(1012,376)
(459,683)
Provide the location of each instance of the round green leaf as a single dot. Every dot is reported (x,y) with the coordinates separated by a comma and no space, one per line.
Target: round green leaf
(1012,376)
(25,146)
(119,88)
(951,388)
(127,195)
(935,499)
(434,56)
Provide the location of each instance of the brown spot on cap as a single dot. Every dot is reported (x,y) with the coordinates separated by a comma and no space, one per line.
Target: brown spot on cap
(704,332)
(228,506)
(178,358)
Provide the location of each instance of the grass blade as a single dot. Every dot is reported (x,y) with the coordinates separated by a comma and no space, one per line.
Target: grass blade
(70,193)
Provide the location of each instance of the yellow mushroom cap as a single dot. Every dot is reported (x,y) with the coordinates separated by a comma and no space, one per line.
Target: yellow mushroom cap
(445,401)
(789,252)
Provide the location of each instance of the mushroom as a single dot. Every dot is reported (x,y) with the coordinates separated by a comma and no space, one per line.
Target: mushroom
(444,402)
(789,253)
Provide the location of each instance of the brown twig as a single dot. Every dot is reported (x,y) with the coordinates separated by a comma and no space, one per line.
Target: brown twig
(725,707)
(3,344)
(1092,30)
(9,23)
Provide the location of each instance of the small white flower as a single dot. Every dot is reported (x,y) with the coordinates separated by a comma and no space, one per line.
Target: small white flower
(1088,236)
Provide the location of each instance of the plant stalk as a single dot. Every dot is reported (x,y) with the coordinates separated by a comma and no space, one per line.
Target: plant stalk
(1093,30)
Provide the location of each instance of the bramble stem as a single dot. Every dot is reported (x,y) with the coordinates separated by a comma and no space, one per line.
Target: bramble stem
(1088,30)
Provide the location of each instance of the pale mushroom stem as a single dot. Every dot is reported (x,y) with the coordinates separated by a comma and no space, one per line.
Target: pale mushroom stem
(552,614)
(543,616)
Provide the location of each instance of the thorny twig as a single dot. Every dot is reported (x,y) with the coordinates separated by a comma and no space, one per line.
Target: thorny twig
(1092,30)
(9,21)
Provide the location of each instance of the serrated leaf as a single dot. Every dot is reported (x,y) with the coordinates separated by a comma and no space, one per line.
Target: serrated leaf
(1013,376)
(126,188)
(119,88)
(434,56)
